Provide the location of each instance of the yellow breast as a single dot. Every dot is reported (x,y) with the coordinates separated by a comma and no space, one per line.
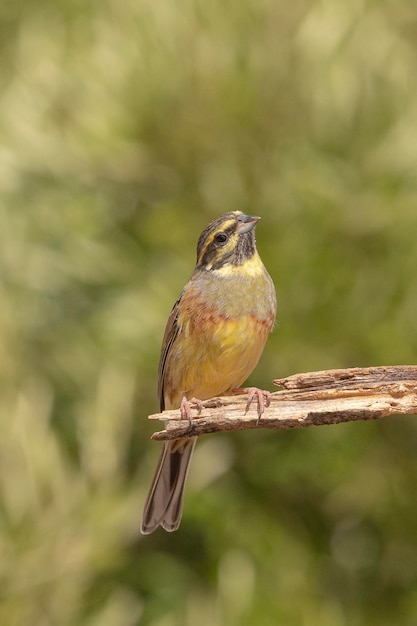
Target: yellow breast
(224,321)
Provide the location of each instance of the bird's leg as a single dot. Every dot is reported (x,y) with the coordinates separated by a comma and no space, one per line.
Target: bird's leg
(186,410)
(263,398)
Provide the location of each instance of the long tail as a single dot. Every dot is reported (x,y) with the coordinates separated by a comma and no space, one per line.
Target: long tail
(163,506)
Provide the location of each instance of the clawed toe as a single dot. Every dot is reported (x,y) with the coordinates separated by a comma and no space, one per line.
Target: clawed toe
(262,396)
(186,408)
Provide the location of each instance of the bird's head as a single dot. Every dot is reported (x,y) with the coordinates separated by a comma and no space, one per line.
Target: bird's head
(227,240)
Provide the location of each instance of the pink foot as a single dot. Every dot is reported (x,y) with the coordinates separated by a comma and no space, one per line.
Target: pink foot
(186,409)
(263,398)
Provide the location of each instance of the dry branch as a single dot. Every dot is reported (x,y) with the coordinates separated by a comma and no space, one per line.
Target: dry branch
(314,398)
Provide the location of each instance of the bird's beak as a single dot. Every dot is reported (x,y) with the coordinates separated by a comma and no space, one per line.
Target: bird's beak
(246,223)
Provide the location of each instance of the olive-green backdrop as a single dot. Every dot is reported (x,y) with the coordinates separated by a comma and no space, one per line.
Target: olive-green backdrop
(124,128)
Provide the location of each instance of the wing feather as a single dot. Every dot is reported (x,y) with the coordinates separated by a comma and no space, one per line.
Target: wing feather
(171,333)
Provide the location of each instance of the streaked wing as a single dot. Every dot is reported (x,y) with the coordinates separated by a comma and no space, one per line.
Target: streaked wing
(171,333)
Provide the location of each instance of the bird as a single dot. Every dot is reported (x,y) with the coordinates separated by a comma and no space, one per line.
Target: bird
(214,337)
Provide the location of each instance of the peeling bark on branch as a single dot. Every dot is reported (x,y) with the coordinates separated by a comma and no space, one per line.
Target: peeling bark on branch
(310,399)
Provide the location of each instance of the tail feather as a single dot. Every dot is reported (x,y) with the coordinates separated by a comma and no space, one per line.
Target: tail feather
(163,506)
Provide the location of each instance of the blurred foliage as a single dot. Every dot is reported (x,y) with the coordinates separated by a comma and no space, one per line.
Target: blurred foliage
(125,127)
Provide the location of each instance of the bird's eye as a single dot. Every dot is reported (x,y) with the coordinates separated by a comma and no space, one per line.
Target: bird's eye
(220,238)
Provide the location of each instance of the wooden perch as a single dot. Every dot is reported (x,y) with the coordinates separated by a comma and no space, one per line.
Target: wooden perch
(312,399)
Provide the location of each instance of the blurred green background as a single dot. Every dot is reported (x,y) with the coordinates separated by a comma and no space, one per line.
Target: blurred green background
(125,128)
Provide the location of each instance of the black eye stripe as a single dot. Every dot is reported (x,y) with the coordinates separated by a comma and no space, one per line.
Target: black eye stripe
(227,232)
